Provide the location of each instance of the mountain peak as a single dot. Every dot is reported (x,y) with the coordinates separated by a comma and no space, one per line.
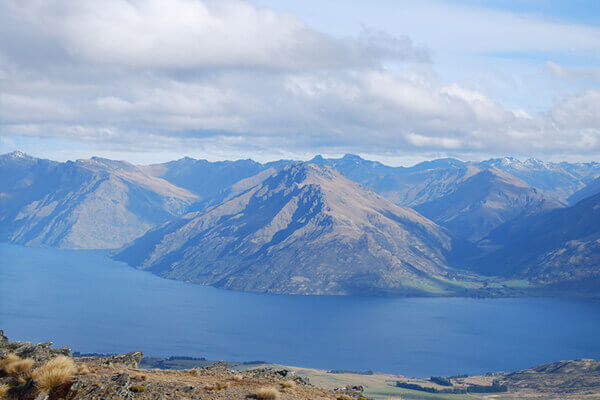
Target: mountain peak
(17,154)
(106,163)
(306,230)
(352,157)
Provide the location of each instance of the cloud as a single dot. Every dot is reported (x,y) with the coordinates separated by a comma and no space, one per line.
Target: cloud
(195,34)
(579,112)
(227,76)
(573,74)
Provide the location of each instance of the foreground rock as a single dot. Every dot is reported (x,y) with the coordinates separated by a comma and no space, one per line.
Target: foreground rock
(118,377)
(37,352)
(43,373)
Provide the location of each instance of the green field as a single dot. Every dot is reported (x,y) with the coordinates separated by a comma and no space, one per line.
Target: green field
(390,392)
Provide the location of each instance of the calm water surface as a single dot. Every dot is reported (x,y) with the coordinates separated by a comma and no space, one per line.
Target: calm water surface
(84,300)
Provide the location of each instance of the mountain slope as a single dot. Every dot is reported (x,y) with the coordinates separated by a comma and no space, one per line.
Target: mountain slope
(86,204)
(559,247)
(405,186)
(467,198)
(557,180)
(484,199)
(208,179)
(592,188)
(303,230)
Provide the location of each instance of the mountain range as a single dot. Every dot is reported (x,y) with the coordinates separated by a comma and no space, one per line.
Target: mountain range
(86,204)
(336,226)
(303,230)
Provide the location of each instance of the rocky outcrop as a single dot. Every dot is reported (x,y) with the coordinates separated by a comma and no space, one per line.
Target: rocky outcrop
(284,374)
(128,360)
(37,352)
(353,390)
(218,366)
(558,377)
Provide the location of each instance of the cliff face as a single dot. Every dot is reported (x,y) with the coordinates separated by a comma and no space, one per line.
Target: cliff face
(304,230)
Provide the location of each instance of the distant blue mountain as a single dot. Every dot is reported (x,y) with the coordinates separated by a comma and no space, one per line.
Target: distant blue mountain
(87,204)
(560,247)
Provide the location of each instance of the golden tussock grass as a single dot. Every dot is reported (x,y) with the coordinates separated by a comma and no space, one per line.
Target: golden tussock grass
(344,397)
(141,377)
(83,370)
(19,368)
(138,389)
(9,358)
(4,388)
(215,386)
(54,372)
(267,394)
(289,384)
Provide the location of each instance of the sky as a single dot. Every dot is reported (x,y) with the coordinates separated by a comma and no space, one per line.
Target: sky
(392,80)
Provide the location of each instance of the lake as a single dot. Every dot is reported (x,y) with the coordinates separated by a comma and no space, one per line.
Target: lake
(84,300)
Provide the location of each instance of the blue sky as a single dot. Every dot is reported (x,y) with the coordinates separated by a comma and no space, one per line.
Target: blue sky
(397,81)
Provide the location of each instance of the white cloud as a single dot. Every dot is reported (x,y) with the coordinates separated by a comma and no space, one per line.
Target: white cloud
(230,77)
(193,33)
(579,112)
(591,74)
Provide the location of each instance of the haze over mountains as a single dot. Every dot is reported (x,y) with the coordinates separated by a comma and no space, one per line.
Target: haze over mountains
(86,204)
(291,227)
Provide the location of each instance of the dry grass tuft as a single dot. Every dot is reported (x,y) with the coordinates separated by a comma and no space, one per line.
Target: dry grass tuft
(83,370)
(138,388)
(19,368)
(344,397)
(4,388)
(289,384)
(54,372)
(141,377)
(215,386)
(237,378)
(267,394)
(194,372)
(8,359)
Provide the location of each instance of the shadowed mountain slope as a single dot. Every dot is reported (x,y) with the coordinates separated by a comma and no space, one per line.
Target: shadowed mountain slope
(558,247)
(303,230)
(592,188)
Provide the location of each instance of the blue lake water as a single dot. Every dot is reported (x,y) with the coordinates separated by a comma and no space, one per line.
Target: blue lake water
(86,301)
